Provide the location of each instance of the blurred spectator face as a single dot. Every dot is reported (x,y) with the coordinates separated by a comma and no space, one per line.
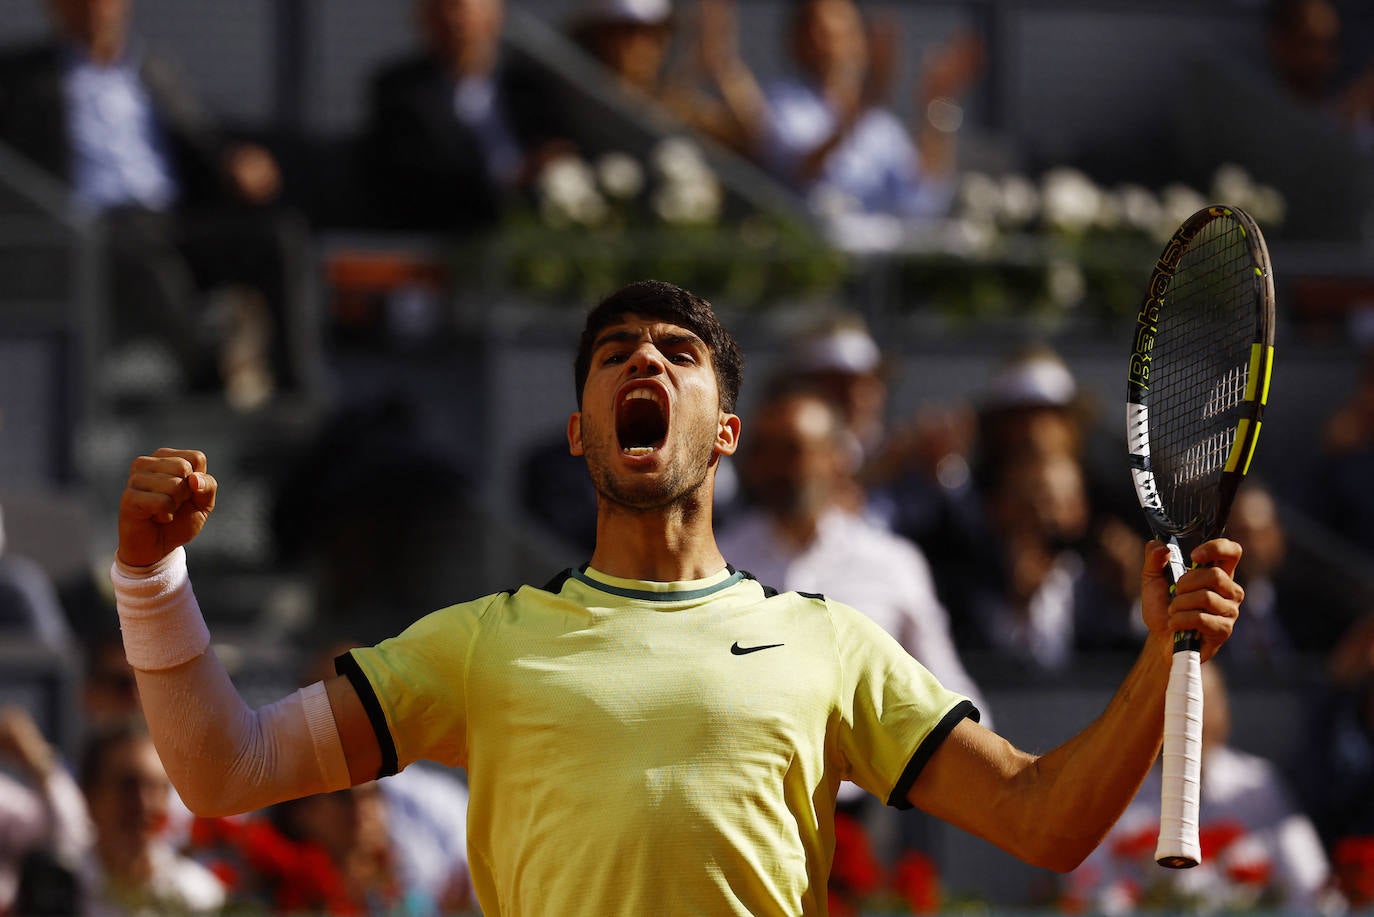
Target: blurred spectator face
(328,819)
(465,34)
(1038,430)
(1043,496)
(110,692)
(796,457)
(92,23)
(861,397)
(1304,45)
(845,365)
(1028,406)
(633,51)
(128,793)
(1254,522)
(828,38)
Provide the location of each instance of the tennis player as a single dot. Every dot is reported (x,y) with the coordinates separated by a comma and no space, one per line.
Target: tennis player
(654,732)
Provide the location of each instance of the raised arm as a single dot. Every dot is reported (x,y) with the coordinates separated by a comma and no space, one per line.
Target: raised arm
(222,756)
(1052,810)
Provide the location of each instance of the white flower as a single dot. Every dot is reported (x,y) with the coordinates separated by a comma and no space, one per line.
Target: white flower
(1109,214)
(620,175)
(1140,209)
(979,196)
(566,177)
(1178,202)
(1070,200)
(679,159)
(968,235)
(1232,185)
(1267,206)
(1064,282)
(1020,200)
(567,191)
(688,203)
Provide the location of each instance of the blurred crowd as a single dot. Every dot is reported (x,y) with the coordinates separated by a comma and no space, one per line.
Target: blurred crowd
(206,228)
(995,538)
(106,834)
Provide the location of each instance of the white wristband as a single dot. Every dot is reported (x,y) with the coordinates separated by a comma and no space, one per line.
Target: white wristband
(324,736)
(158,613)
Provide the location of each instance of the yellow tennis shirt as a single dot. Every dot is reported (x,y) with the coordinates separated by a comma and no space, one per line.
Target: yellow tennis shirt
(654,748)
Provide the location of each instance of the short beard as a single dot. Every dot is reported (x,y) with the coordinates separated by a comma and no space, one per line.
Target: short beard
(676,485)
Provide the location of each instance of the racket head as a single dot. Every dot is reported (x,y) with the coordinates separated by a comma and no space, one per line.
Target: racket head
(1198,381)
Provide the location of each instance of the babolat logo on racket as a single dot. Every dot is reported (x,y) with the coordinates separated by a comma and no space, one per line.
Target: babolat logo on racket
(1146,326)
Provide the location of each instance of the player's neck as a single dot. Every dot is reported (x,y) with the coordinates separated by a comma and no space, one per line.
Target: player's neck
(672,545)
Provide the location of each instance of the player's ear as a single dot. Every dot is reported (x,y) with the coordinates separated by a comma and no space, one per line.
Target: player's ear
(575,433)
(727,434)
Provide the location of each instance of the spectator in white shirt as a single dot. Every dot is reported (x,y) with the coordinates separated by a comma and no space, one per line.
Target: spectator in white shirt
(801,533)
(806,532)
(1259,848)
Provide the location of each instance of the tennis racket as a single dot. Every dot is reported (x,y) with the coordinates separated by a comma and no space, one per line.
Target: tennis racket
(1198,380)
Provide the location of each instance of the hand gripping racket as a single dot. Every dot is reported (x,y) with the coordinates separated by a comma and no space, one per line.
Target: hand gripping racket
(1198,381)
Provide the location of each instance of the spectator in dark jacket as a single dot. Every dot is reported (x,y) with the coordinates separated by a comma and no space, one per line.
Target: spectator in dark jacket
(186,209)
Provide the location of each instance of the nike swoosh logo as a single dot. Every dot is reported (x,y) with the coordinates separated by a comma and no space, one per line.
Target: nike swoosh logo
(738,650)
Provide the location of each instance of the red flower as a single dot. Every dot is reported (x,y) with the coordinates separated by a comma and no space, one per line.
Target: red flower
(1354,861)
(1251,872)
(856,871)
(838,905)
(1216,837)
(295,877)
(917,880)
(1137,846)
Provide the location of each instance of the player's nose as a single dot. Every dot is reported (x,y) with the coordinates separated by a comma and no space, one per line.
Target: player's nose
(646,360)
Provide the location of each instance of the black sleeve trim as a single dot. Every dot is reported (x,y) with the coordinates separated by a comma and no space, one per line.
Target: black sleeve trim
(768,591)
(555,585)
(348,667)
(961,711)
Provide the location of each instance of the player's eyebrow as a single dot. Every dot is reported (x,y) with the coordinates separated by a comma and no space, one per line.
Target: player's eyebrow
(630,336)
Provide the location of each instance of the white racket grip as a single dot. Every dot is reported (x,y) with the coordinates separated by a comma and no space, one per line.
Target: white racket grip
(1178,846)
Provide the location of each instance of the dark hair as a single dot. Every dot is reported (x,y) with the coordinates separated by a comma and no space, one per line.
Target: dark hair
(669,303)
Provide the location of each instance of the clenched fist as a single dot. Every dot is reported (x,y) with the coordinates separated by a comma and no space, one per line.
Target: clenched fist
(165,504)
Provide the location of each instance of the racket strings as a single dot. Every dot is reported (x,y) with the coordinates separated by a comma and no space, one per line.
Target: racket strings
(1200,368)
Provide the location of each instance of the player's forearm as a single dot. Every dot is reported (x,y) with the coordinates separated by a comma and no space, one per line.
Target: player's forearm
(1082,787)
(205,735)
(222,756)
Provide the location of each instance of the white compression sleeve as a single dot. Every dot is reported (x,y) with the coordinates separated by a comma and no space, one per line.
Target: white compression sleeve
(222,756)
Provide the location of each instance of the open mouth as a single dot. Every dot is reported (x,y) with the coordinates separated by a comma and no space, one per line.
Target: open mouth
(641,421)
